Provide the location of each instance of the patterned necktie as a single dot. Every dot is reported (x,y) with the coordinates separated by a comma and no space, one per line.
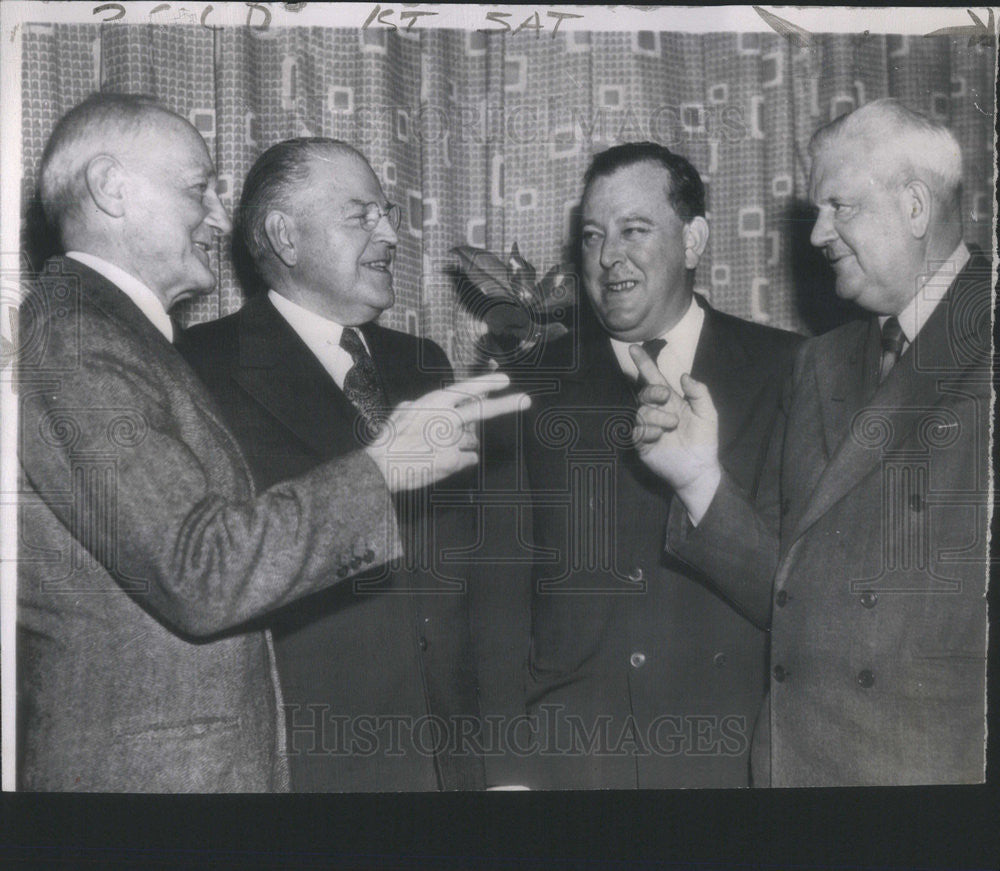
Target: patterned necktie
(362,385)
(893,340)
(653,347)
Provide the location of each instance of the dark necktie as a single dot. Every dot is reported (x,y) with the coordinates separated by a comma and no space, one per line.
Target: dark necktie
(893,340)
(653,347)
(362,385)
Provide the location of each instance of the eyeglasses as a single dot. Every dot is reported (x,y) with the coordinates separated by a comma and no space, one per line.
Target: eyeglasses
(373,213)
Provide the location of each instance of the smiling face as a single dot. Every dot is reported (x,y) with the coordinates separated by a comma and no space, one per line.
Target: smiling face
(637,252)
(342,271)
(862,225)
(172,212)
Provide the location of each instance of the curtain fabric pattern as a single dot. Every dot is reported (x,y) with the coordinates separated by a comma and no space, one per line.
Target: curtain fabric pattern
(484,138)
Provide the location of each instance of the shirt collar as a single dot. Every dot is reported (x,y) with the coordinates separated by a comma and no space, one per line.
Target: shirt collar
(312,328)
(145,300)
(913,317)
(682,339)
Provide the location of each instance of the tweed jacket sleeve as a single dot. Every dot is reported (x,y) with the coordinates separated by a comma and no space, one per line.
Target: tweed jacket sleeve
(123,444)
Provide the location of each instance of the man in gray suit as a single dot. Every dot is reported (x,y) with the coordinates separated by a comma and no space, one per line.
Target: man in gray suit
(871,567)
(147,557)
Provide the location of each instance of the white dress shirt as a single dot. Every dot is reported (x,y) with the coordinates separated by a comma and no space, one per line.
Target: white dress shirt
(146,301)
(677,356)
(321,336)
(921,307)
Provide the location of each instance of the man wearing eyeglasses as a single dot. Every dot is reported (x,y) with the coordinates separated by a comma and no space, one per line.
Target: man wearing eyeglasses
(377,675)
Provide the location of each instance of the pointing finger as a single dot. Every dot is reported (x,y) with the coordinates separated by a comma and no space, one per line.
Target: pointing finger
(481,385)
(647,368)
(485,409)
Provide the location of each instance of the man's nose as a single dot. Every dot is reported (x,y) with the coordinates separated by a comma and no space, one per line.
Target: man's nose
(822,231)
(217,217)
(610,252)
(385,232)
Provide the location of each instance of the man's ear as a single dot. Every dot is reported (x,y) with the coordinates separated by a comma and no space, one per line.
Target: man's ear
(695,240)
(280,231)
(105,182)
(917,203)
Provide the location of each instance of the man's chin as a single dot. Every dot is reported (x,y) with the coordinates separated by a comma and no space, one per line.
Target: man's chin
(193,292)
(621,328)
(382,299)
(845,291)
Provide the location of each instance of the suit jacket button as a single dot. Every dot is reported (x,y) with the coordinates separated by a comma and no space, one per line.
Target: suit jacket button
(869,599)
(342,572)
(423,643)
(635,574)
(719,660)
(866,679)
(779,673)
(637,659)
(781,598)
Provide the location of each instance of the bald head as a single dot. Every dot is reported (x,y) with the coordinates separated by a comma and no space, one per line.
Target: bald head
(902,145)
(886,183)
(104,123)
(128,181)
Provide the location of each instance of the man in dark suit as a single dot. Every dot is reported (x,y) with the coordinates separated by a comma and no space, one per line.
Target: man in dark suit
(871,566)
(391,653)
(640,676)
(147,555)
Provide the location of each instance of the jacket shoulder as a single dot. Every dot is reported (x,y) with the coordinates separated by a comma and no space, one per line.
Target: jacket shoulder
(759,338)
(835,341)
(205,333)
(213,345)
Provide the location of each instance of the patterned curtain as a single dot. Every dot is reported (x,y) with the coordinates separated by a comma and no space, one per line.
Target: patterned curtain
(484,138)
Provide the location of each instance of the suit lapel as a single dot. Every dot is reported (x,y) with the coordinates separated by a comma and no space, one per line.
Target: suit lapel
(720,362)
(284,376)
(115,304)
(912,388)
(845,377)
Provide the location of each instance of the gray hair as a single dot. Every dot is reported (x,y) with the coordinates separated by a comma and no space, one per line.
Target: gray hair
(276,176)
(913,145)
(86,130)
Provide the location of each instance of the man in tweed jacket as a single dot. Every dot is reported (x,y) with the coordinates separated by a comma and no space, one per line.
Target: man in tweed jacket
(146,556)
